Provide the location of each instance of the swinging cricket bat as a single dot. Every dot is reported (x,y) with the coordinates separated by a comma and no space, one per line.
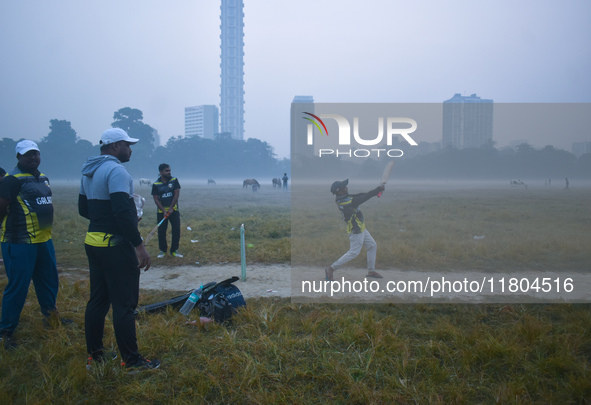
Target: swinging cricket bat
(386,175)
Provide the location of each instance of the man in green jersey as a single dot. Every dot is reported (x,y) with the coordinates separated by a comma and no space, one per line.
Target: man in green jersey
(26,214)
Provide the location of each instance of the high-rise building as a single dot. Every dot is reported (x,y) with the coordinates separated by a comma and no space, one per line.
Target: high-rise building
(156,136)
(467,122)
(580,148)
(299,126)
(232,64)
(201,121)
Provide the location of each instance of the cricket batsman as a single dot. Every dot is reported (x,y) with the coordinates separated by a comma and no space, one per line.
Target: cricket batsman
(359,236)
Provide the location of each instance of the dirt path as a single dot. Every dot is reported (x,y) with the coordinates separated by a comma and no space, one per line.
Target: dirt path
(262,280)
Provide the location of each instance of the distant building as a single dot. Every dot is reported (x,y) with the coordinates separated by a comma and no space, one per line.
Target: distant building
(156,136)
(201,121)
(580,148)
(299,126)
(467,122)
(232,64)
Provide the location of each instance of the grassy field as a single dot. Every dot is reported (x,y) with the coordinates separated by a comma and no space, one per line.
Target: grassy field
(214,215)
(279,352)
(432,227)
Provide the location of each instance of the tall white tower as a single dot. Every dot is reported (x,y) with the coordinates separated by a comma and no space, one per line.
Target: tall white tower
(232,64)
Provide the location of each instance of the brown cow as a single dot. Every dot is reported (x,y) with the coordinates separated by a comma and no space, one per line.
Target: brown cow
(250,182)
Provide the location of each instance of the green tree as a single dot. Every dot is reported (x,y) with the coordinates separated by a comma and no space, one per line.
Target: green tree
(59,151)
(60,133)
(130,120)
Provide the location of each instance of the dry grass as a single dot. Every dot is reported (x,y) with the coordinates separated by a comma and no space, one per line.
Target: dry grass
(279,352)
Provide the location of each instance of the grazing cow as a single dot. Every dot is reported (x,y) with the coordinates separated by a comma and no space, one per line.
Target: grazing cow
(518,183)
(250,182)
(276,183)
(146,182)
(210,182)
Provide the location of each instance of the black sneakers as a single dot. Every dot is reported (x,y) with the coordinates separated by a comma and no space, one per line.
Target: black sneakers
(142,364)
(101,358)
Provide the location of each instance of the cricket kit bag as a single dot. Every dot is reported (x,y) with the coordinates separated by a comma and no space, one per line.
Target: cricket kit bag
(220,301)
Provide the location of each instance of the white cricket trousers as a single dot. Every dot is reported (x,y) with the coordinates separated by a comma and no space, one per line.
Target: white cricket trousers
(356,241)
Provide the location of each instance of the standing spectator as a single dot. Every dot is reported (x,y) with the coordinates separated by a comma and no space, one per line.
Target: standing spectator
(26,213)
(566,183)
(284,178)
(114,247)
(166,191)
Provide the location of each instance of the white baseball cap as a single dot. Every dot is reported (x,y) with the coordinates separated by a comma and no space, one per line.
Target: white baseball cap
(113,135)
(24,146)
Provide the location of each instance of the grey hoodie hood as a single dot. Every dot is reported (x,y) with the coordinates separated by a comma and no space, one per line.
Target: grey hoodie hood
(93,163)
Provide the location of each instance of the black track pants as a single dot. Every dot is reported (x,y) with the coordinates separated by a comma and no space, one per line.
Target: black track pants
(114,280)
(175,224)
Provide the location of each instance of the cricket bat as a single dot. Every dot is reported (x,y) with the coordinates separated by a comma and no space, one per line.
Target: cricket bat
(386,175)
(154,230)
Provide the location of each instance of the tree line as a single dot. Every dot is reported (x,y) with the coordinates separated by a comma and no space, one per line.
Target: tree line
(522,162)
(63,153)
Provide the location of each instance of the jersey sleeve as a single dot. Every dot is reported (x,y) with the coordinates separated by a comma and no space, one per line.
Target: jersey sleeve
(359,199)
(9,187)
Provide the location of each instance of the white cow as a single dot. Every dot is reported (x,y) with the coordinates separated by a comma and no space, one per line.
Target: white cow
(146,182)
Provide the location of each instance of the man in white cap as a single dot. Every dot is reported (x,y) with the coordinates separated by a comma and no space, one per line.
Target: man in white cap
(114,247)
(26,213)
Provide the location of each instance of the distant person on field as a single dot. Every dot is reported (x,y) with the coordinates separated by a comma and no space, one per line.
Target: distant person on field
(26,214)
(166,191)
(349,204)
(114,247)
(285,178)
(567,183)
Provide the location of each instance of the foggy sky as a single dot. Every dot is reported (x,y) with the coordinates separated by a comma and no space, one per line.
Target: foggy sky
(82,61)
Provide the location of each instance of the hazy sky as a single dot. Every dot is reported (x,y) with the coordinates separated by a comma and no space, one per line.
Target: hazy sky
(81,61)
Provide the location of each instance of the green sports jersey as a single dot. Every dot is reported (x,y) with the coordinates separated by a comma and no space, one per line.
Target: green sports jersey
(30,213)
